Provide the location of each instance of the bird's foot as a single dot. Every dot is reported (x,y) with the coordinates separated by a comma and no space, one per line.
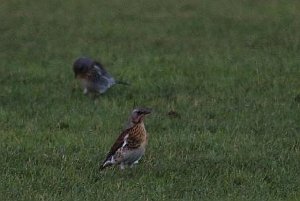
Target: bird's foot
(122,166)
(85,91)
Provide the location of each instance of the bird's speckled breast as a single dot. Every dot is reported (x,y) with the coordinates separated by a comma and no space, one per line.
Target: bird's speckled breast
(138,137)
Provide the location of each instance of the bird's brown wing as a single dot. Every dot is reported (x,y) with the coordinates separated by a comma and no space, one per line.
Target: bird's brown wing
(118,143)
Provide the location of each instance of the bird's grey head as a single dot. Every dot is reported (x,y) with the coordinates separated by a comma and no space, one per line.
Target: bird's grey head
(138,114)
(82,65)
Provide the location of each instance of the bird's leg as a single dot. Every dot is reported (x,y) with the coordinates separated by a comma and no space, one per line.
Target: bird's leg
(95,97)
(85,91)
(122,166)
(135,162)
(95,100)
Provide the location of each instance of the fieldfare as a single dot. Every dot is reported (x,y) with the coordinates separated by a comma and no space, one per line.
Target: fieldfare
(94,78)
(131,144)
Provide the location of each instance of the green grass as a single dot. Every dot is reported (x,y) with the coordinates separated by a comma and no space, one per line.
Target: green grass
(229,68)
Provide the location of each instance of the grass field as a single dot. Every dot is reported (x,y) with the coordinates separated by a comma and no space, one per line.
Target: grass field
(230,69)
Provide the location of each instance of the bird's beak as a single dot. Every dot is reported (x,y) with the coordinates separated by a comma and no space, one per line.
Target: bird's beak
(147,111)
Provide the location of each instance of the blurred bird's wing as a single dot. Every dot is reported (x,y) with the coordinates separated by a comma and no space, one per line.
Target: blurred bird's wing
(110,79)
(98,82)
(103,73)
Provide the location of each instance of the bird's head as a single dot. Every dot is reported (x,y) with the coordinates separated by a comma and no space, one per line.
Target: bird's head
(81,66)
(138,115)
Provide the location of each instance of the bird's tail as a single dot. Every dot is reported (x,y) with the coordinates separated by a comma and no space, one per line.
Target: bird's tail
(122,82)
(104,165)
(107,163)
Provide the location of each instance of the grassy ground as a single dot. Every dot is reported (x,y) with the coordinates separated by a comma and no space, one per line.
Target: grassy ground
(230,69)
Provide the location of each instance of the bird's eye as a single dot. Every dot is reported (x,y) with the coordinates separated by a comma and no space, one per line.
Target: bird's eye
(81,68)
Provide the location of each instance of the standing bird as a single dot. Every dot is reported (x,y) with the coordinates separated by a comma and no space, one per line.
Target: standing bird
(131,144)
(94,78)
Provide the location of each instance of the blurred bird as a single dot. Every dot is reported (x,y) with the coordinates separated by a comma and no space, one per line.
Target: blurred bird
(131,144)
(94,78)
